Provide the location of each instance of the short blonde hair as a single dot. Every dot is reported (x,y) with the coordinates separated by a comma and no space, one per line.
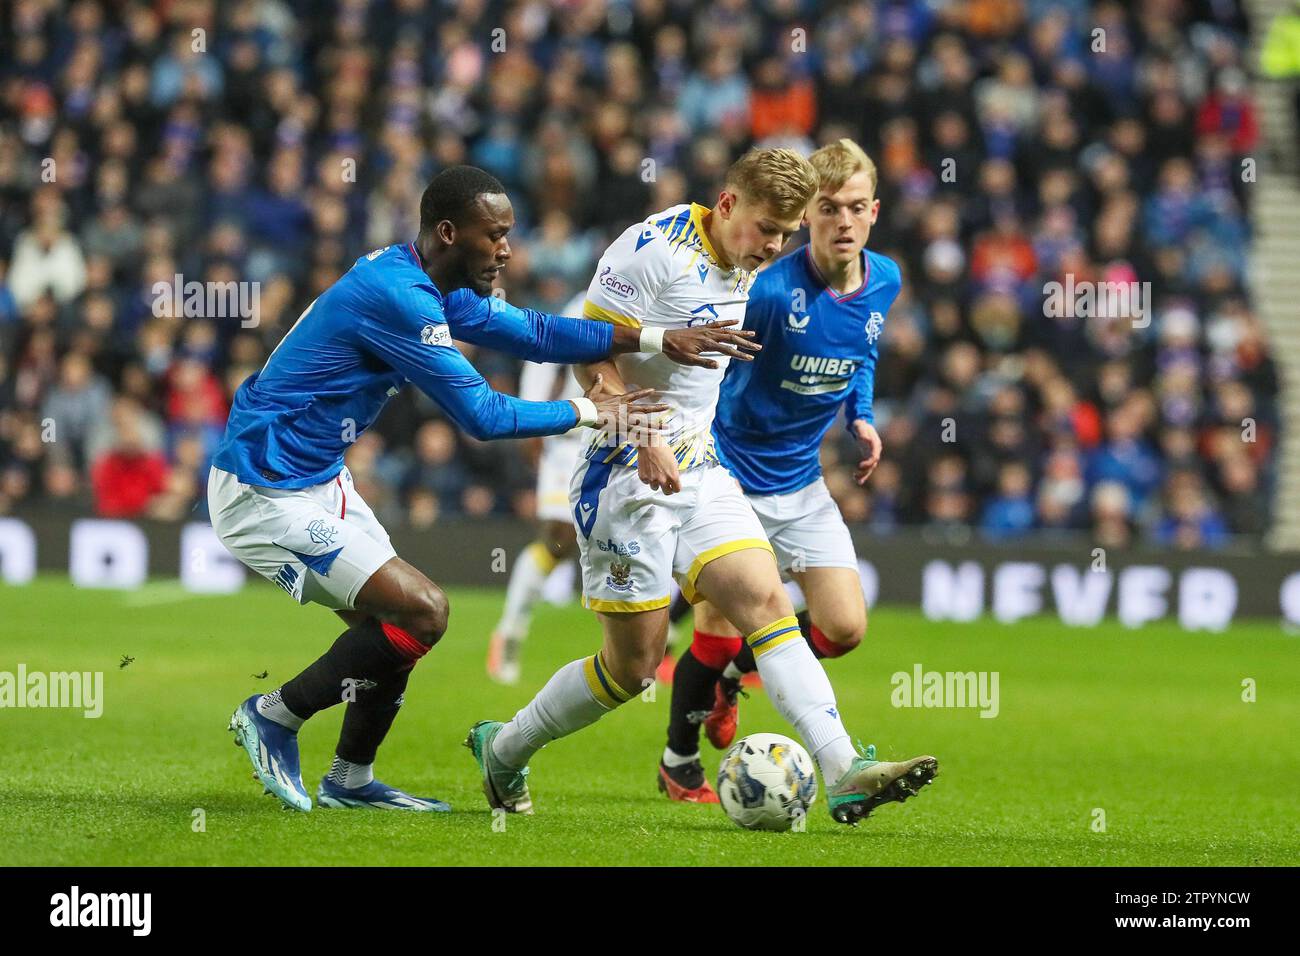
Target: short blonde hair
(837,161)
(780,178)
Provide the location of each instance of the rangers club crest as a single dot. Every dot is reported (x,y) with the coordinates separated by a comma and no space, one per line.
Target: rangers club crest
(321,533)
(875,325)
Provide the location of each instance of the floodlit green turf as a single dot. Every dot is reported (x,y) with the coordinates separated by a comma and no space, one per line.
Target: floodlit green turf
(1148,726)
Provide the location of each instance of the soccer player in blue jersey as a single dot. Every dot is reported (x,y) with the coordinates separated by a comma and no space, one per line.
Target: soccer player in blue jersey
(283,502)
(819,313)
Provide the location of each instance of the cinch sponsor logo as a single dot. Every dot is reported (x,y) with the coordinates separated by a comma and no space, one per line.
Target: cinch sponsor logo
(75,689)
(103,909)
(632,547)
(617,286)
(823,365)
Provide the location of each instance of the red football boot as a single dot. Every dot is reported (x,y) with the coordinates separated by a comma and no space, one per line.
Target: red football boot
(720,725)
(664,672)
(686,784)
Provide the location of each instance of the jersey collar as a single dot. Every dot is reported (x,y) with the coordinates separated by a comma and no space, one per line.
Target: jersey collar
(817,273)
(419,263)
(698,213)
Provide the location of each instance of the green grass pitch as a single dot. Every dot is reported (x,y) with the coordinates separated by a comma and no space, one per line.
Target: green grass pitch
(1148,726)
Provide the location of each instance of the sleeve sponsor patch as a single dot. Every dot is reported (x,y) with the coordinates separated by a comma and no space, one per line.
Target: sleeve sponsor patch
(617,286)
(435,335)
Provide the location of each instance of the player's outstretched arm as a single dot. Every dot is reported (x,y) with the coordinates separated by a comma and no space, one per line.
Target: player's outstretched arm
(423,352)
(543,337)
(655,464)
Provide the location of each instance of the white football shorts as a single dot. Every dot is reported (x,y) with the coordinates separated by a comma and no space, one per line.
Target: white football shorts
(320,544)
(805,528)
(633,540)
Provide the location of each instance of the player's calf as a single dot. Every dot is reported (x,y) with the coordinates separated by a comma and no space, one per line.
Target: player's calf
(696,675)
(577,695)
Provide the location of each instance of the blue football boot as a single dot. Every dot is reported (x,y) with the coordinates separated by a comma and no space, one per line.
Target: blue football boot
(375,796)
(273,749)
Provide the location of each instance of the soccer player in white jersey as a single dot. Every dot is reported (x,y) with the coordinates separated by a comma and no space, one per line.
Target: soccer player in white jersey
(557,541)
(669,509)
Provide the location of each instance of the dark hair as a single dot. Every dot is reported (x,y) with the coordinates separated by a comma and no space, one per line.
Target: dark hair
(452,192)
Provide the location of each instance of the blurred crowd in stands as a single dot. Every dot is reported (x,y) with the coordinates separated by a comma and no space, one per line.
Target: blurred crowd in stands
(1019,143)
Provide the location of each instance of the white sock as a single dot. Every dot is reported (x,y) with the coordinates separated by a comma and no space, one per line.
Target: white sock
(672,759)
(732,672)
(272,707)
(533,566)
(578,694)
(350,775)
(798,687)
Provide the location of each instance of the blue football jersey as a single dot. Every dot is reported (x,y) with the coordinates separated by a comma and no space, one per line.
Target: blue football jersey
(819,353)
(382,324)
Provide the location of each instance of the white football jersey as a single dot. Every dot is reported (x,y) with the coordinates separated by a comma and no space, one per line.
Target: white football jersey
(663,273)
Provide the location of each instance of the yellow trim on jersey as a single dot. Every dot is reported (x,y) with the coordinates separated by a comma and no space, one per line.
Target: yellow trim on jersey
(698,213)
(780,631)
(590,310)
(626,607)
(741,544)
(607,693)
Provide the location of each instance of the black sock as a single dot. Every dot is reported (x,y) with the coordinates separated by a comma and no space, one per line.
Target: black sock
(678,609)
(805,627)
(361,654)
(692,700)
(744,659)
(368,718)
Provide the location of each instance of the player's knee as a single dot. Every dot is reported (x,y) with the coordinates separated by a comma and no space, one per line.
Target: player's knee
(850,630)
(774,602)
(841,634)
(634,669)
(847,638)
(427,618)
(763,600)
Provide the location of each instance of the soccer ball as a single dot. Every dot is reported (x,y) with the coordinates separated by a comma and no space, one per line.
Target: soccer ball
(766,782)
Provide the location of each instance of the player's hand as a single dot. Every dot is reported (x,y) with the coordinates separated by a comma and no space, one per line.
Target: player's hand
(657,467)
(871,446)
(627,416)
(686,346)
